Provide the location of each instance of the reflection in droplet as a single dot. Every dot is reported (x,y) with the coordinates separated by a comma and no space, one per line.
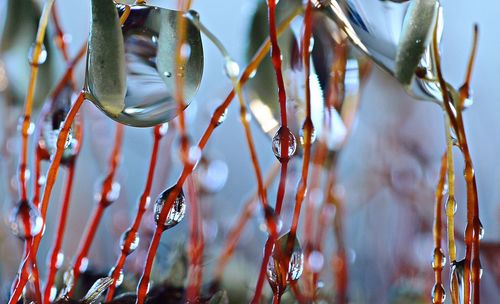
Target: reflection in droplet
(284,138)
(150,38)
(26,220)
(42,57)
(451,203)
(175,214)
(133,245)
(438,294)
(119,279)
(439,259)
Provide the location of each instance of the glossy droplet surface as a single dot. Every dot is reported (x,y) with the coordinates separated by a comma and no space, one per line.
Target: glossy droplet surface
(150,38)
(438,294)
(54,115)
(312,136)
(279,272)
(284,141)
(481,231)
(42,57)
(176,212)
(133,245)
(451,203)
(439,259)
(119,279)
(26,220)
(222,118)
(231,69)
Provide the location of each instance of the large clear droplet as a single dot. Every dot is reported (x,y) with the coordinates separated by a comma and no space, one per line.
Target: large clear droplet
(53,117)
(133,245)
(232,69)
(150,39)
(303,133)
(451,203)
(26,221)
(176,212)
(457,281)
(42,57)
(284,140)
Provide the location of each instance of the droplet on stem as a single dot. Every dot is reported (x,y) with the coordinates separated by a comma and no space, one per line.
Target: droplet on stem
(176,212)
(133,245)
(284,140)
(42,56)
(222,118)
(439,259)
(231,69)
(26,221)
(119,279)
(438,294)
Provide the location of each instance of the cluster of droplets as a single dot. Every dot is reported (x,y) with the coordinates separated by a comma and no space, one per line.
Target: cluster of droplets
(26,220)
(284,141)
(176,212)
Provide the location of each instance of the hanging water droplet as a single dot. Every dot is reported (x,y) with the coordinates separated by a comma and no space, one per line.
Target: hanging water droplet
(119,279)
(167,74)
(133,245)
(163,129)
(222,118)
(194,155)
(42,56)
(439,259)
(284,139)
(438,294)
(457,280)
(312,136)
(451,203)
(114,193)
(231,69)
(26,221)
(176,212)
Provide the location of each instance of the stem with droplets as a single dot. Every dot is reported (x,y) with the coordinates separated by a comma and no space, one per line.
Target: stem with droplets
(438,255)
(188,168)
(103,203)
(51,178)
(141,209)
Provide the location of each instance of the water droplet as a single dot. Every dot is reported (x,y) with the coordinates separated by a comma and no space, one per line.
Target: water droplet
(176,212)
(133,245)
(222,118)
(438,294)
(315,261)
(53,293)
(481,231)
(212,175)
(232,69)
(42,56)
(277,273)
(252,74)
(284,139)
(439,259)
(194,155)
(451,203)
(113,193)
(163,129)
(59,260)
(26,221)
(303,133)
(119,279)
(148,96)
(457,279)
(84,264)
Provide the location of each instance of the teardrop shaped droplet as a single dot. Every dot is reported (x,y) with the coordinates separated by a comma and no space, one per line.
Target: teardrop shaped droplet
(119,279)
(451,204)
(176,212)
(303,133)
(42,56)
(26,220)
(284,144)
(150,37)
(457,281)
(53,120)
(438,294)
(133,244)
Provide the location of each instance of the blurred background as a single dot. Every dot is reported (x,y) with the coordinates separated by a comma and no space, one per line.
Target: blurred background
(387,171)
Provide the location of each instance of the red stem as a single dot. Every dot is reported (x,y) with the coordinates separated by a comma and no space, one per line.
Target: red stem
(101,206)
(141,209)
(60,234)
